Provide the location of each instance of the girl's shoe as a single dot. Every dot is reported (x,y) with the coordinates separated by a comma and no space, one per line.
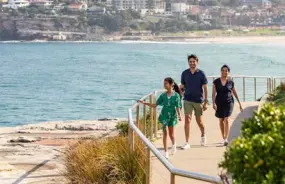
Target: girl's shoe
(166,154)
(186,146)
(174,149)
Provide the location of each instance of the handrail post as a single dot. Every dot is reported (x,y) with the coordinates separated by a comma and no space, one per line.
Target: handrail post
(151,118)
(148,167)
(243,83)
(138,117)
(131,139)
(172,178)
(254,88)
(144,120)
(155,117)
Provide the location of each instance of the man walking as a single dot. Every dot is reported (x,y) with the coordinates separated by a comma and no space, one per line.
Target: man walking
(194,83)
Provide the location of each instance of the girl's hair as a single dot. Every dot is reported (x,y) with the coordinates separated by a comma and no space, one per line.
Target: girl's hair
(175,86)
(226,66)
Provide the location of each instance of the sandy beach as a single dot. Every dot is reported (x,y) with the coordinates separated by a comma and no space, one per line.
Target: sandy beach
(32,154)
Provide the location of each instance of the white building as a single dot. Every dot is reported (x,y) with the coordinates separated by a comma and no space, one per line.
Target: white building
(135,4)
(179,7)
(15,4)
(43,3)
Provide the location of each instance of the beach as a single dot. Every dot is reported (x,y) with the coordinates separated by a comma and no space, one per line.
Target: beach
(33,153)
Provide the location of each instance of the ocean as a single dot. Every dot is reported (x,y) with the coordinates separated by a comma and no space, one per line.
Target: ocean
(84,81)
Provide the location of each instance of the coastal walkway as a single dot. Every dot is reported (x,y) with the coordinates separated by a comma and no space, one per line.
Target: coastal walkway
(200,159)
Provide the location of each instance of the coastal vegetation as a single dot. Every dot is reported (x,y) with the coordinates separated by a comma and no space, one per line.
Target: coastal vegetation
(279,95)
(257,156)
(103,161)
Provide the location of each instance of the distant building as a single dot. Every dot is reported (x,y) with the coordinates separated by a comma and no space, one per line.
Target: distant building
(135,4)
(59,37)
(15,4)
(3,1)
(179,7)
(96,10)
(78,6)
(58,7)
(42,3)
(262,3)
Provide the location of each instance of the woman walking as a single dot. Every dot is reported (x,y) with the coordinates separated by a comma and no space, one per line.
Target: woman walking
(223,101)
(170,100)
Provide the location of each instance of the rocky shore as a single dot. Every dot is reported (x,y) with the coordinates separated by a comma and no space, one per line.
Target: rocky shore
(32,154)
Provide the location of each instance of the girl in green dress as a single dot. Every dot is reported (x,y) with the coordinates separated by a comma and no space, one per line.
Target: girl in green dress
(171,107)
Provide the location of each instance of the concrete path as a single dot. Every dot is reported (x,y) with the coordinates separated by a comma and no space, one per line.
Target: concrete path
(200,159)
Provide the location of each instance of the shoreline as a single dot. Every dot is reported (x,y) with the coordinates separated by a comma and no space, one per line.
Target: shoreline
(33,153)
(173,39)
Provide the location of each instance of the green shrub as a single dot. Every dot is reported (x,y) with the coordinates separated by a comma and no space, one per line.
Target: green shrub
(279,95)
(123,128)
(258,156)
(105,161)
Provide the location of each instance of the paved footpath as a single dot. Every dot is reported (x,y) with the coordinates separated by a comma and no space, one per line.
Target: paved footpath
(200,159)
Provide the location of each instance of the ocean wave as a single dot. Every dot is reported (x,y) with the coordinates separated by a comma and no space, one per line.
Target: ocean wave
(187,42)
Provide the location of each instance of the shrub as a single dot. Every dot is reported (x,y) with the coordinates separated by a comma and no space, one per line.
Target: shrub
(106,161)
(279,96)
(123,128)
(258,156)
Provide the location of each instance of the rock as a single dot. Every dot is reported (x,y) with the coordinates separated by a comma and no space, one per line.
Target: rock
(24,140)
(5,167)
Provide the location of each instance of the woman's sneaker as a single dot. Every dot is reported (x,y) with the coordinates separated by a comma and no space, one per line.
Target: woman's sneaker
(186,146)
(174,149)
(226,143)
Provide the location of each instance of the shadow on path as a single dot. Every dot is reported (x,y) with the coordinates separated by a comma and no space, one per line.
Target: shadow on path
(236,126)
(21,178)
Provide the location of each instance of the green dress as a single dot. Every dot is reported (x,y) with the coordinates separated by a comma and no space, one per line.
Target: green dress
(168,115)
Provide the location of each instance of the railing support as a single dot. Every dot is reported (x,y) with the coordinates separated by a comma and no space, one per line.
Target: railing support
(138,117)
(131,138)
(151,118)
(243,83)
(144,120)
(148,167)
(155,118)
(254,88)
(172,179)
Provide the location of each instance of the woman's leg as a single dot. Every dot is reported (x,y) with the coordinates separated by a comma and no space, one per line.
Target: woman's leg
(222,127)
(165,139)
(227,128)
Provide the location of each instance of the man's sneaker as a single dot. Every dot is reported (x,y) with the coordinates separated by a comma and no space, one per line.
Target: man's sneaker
(174,149)
(226,143)
(203,141)
(186,146)
(166,155)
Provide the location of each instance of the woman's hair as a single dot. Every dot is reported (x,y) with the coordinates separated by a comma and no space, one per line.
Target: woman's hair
(226,66)
(175,86)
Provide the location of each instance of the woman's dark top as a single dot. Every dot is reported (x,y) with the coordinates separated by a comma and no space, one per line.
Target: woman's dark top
(224,98)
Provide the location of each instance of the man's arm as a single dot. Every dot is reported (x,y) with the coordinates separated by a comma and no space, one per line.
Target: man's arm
(205,89)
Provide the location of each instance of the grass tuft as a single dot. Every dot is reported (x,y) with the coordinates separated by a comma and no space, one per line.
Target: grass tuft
(103,161)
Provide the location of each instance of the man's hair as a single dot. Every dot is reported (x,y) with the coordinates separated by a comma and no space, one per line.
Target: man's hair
(193,56)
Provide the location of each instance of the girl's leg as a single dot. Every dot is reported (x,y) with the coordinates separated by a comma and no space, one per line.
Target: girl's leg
(222,127)
(171,134)
(165,140)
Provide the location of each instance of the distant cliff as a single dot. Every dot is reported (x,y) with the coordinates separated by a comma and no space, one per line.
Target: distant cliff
(30,29)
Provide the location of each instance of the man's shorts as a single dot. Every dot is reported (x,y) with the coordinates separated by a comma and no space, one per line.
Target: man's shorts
(189,107)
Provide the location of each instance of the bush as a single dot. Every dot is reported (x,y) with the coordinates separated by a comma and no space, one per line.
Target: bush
(106,161)
(258,156)
(279,96)
(123,128)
